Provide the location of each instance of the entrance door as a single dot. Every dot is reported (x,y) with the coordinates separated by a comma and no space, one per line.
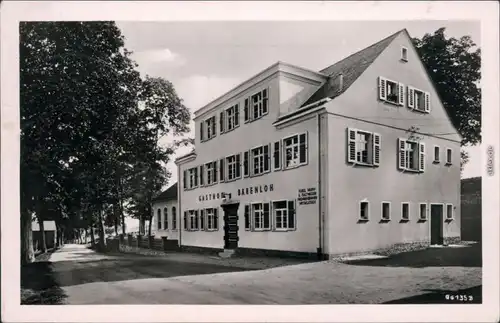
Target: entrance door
(231,226)
(436,224)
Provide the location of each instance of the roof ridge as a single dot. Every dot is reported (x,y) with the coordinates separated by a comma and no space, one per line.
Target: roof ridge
(366,48)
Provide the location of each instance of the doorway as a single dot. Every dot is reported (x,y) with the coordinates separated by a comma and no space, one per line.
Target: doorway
(437,224)
(231,226)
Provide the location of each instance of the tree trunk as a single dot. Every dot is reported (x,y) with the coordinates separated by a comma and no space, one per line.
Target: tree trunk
(86,236)
(42,234)
(116,227)
(149,227)
(102,241)
(92,237)
(27,253)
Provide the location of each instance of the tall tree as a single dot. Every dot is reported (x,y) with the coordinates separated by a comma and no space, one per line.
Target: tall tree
(454,66)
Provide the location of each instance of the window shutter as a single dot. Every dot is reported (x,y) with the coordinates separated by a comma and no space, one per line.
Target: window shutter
(214,126)
(267,222)
(376,149)
(214,165)
(291,215)
(267,157)
(411,97)
(202,134)
(277,155)
(382,90)
(216,219)
(196,220)
(202,220)
(238,165)
(185,221)
(265,100)
(421,157)
(401,154)
(202,175)
(427,103)
(247,217)
(184,180)
(246,163)
(237,115)
(222,170)
(351,145)
(247,110)
(221,121)
(196,176)
(303,148)
(401,96)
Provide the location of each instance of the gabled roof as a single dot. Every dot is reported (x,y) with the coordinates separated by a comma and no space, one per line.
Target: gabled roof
(168,194)
(351,68)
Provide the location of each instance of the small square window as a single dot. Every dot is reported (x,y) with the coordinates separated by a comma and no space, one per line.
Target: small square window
(404,54)
(386,211)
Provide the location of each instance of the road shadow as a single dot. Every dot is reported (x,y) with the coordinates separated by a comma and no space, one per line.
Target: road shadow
(466,256)
(73,272)
(471,295)
(39,286)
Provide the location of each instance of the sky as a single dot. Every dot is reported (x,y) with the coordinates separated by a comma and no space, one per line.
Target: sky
(204,60)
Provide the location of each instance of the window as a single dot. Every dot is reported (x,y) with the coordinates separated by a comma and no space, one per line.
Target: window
(295,148)
(418,100)
(165,219)
(246,164)
(174,218)
(284,215)
(404,54)
(363,147)
(448,156)
(211,219)
(247,217)
(386,211)
(423,211)
(411,155)
(277,155)
(229,118)
(159,218)
(211,168)
(192,220)
(260,216)
(233,167)
(391,91)
(260,158)
(436,154)
(363,211)
(190,178)
(449,212)
(405,211)
(256,106)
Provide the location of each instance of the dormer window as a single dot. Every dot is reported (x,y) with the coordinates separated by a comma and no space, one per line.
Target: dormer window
(257,105)
(404,54)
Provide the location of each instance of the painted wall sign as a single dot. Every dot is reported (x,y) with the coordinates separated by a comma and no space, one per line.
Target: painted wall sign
(255,189)
(214,196)
(307,196)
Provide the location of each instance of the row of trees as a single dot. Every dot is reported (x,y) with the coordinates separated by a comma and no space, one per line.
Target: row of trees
(90,130)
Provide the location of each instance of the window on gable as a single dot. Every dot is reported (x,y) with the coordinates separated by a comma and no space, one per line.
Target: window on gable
(418,100)
(386,211)
(233,167)
(363,147)
(404,54)
(261,217)
(411,155)
(391,91)
(423,211)
(260,159)
(405,211)
(295,150)
(256,106)
(364,211)
(437,154)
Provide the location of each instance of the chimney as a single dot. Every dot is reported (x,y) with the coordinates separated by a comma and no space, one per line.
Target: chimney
(341,82)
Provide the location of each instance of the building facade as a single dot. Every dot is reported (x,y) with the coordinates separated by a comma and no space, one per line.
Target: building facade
(165,217)
(359,156)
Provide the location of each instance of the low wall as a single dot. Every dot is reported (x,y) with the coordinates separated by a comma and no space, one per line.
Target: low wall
(142,245)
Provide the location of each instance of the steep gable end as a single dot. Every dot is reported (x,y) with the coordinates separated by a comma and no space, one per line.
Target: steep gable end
(351,68)
(167,195)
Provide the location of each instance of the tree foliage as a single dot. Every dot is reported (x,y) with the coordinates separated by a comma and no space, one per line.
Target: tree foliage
(454,66)
(90,125)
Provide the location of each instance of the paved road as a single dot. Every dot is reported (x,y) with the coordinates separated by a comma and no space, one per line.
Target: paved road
(90,278)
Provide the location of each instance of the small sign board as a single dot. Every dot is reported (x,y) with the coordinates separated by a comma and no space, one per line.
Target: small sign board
(307,196)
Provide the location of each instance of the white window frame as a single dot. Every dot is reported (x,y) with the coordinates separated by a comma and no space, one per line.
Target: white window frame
(262,157)
(437,157)
(413,99)
(404,54)
(373,144)
(210,219)
(192,174)
(253,216)
(446,217)
(402,211)
(419,156)
(259,105)
(192,220)
(208,128)
(383,90)
(427,210)
(230,116)
(295,145)
(382,211)
(229,175)
(285,216)
(449,152)
(367,211)
(210,170)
